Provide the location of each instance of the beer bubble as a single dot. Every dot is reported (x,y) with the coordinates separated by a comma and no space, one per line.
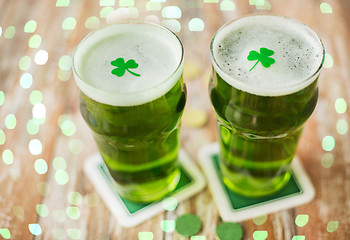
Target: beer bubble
(227,5)
(30,26)
(196,25)
(7,157)
(10,32)
(62,3)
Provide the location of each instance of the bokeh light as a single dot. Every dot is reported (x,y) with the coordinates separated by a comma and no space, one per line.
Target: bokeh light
(197,238)
(5,233)
(260,235)
(68,127)
(7,157)
(126,3)
(24,63)
(75,198)
(153,6)
(342,126)
(10,32)
(328,143)
(145,235)
(173,25)
(91,199)
(332,226)
(262,5)
(34,41)
(62,3)
(41,57)
(0,31)
(73,212)
(167,225)
(59,163)
(340,105)
(35,229)
(43,188)
(171,12)
(42,210)
(327,160)
(2,137)
(39,111)
(58,234)
(227,5)
(301,220)
(105,11)
(33,127)
(35,147)
(196,24)
(211,1)
(170,203)
(260,220)
(26,80)
(2,98)
(65,63)
(18,211)
(40,166)
(59,215)
(10,121)
(107,3)
(299,237)
(64,75)
(92,22)
(61,177)
(30,26)
(69,23)
(74,233)
(35,97)
(328,61)
(76,146)
(326,8)
(133,12)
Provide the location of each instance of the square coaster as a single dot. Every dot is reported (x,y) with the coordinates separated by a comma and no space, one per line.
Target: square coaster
(237,208)
(130,213)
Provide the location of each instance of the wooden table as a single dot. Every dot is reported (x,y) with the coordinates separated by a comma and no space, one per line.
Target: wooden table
(27,197)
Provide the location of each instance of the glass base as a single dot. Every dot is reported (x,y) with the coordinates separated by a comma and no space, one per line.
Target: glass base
(254,187)
(150,191)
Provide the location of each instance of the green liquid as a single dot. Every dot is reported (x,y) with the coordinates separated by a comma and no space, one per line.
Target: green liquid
(139,144)
(258,135)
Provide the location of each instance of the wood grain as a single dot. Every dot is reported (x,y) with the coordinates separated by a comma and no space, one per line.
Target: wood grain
(21,186)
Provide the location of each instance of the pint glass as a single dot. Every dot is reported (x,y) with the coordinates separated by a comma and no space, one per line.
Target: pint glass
(263,88)
(132,96)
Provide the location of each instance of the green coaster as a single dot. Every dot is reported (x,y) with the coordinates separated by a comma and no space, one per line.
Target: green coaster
(235,207)
(130,213)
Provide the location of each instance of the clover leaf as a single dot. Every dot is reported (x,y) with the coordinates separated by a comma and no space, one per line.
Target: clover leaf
(122,66)
(263,57)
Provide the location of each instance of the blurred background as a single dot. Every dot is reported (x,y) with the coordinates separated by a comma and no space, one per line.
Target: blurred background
(44,193)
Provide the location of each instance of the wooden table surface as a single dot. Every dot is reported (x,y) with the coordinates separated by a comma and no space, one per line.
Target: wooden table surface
(36,83)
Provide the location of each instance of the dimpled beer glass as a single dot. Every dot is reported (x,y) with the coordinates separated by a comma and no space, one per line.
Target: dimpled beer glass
(132,96)
(263,88)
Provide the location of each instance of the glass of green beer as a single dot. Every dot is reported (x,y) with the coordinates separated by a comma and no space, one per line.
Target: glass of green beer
(132,96)
(263,88)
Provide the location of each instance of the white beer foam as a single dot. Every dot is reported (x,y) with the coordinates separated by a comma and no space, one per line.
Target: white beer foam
(158,52)
(298,54)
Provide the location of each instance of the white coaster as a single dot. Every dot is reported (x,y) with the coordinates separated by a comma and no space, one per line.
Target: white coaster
(237,208)
(129,213)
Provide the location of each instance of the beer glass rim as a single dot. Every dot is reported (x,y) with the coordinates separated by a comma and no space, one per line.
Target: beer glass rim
(112,98)
(275,91)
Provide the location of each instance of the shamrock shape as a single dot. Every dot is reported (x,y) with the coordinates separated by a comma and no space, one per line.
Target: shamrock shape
(263,57)
(121,66)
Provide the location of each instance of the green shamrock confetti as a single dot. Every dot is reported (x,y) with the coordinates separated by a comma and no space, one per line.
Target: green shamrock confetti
(122,66)
(263,57)
(229,231)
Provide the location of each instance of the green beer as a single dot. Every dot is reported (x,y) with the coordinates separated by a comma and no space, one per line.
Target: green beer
(132,98)
(263,89)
